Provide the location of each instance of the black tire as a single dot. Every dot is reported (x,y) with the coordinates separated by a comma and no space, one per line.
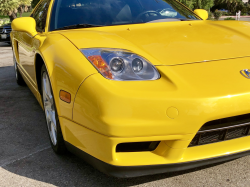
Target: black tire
(19,78)
(58,147)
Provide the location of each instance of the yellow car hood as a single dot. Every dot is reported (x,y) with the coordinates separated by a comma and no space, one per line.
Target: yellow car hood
(170,43)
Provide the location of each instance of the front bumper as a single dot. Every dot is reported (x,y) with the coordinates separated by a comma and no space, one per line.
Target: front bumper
(136,171)
(170,110)
(170,155)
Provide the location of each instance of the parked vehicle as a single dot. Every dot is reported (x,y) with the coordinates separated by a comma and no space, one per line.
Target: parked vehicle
(223,10)
(137,87)
(5,33)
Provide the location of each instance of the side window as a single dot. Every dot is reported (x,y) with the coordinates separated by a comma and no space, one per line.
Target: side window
(40,15)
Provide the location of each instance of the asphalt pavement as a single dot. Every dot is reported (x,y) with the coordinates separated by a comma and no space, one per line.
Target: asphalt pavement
(26,158)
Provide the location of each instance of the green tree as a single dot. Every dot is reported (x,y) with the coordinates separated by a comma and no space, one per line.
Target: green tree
(34,3)
(188,3)
(203,4)
(231,4)
(243,7)
(217,14)
(11,7)
(23,6)
(198,4)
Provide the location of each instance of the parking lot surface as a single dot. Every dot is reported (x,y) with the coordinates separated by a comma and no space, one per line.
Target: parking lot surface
(26,158)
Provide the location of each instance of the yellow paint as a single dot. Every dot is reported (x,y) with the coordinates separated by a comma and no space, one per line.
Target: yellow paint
(172,112)
(201,13)
(170,43)
(24,24)
(103,147)
(199,63)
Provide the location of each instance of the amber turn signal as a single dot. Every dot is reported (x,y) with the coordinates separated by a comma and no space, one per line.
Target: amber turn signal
(65,96)
(101,65)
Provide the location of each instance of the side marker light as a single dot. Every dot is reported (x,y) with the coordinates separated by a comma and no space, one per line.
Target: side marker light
(65,96)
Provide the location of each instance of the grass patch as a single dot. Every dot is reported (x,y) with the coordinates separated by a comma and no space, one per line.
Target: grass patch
(25,14)
(229,18)
(1,17)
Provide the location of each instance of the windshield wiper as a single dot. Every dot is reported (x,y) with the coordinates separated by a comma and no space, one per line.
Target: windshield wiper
(77,26)
(171,20)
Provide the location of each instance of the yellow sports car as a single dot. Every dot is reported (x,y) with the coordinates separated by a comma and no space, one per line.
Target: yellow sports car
(137,87)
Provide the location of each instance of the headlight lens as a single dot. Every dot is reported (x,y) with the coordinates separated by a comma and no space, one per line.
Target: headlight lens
(137,65)
(117,64)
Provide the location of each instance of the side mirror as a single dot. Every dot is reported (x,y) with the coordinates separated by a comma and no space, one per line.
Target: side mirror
(24,24)
(201,13)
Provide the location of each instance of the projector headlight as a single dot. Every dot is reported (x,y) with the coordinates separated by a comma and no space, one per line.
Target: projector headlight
(118,64)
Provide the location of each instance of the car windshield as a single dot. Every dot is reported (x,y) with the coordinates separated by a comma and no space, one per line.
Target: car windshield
(116,12)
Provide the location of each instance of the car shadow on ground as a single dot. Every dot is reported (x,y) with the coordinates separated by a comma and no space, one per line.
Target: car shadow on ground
(25,148)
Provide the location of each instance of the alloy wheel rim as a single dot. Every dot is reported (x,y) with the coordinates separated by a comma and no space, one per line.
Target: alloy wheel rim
(49,108)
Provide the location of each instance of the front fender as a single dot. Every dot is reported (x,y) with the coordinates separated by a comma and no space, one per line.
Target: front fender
(67,68)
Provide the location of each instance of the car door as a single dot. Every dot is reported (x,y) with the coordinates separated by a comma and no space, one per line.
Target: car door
(27,44)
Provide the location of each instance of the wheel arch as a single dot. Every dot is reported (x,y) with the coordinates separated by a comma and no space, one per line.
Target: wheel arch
(66,66)
(39,62)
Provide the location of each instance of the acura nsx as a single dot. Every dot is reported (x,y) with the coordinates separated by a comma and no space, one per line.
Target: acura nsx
(137,87)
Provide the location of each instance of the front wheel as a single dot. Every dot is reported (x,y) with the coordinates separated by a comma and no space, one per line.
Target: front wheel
(53,124)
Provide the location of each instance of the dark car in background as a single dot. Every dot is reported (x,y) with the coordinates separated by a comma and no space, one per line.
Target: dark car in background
(5,33)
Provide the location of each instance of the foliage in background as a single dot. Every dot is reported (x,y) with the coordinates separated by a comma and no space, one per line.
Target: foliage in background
(198,4)
(230,4)
(23,6)
(217,14)
(204,4)
(4,21)
(11,7)
(210,16)
(229,18)
(244,8)
(188,3)
(34,3)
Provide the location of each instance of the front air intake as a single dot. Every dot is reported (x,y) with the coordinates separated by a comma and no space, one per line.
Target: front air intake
(137,146)
(222,129)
